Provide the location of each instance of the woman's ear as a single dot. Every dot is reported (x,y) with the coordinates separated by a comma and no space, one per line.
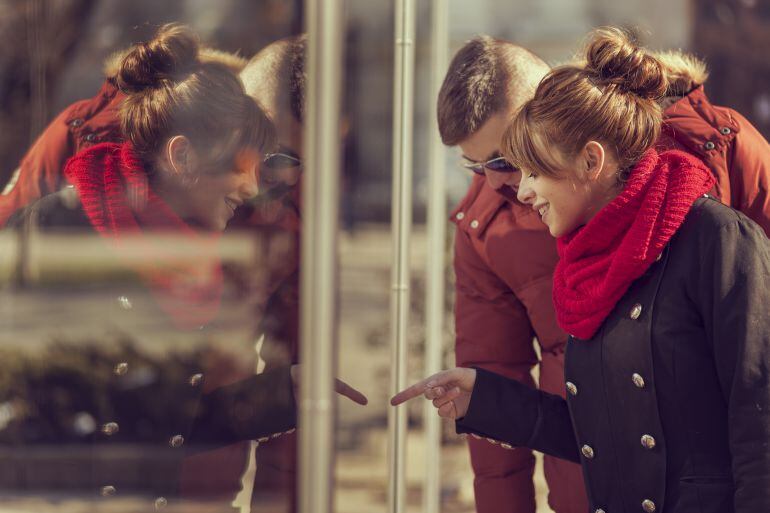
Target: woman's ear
(593,159)
(180,156)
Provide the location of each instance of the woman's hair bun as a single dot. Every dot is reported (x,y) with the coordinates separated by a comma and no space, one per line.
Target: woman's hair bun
(172,54)
(613,58)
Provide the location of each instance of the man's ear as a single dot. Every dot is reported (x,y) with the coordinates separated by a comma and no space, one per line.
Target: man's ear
(180,156)
(592,160)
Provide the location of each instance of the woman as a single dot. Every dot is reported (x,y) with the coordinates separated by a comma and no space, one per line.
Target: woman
(158,201)
(664,291)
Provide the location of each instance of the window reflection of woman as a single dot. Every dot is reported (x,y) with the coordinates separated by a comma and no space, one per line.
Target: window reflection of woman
(193,145)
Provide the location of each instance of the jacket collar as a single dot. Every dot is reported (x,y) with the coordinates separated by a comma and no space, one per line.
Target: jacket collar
(479,207)
(86,109)
(704,139)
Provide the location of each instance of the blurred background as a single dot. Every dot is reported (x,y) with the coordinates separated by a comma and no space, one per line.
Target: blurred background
(52,53)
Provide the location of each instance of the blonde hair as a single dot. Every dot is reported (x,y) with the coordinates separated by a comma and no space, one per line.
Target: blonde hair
(684,72)
(171,90)
(611,98)
(233,61)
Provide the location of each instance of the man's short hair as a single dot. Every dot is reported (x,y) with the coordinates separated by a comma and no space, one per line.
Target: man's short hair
(276,77)
(487,76)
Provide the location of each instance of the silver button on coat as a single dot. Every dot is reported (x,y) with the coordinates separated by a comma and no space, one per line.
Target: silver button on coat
(474,224)
(648,442)
(587,451)
(709,145)
(648,506)
(638,380)
(125,303)
(121,369)
(636,311)
(460,216)
(110,428)
(571,388)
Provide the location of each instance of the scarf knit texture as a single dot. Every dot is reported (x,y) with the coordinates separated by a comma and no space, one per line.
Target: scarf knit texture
(178,264)
(598,262)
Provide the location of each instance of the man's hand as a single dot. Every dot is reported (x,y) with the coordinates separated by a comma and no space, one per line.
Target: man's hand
(450,391)
(340,387)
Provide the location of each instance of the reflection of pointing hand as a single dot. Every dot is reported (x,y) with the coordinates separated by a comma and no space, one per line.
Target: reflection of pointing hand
(450,391)
(340,387)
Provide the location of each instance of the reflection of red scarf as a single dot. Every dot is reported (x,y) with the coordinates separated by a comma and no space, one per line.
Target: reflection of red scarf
(180,266)
(599,261)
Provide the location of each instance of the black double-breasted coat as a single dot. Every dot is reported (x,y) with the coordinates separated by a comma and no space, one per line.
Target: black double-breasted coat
(668,405)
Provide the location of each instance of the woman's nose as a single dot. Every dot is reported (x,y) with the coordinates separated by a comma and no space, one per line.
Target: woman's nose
(525,193)
(250,185)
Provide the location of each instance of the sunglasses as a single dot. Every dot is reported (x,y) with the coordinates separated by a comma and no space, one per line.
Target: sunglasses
(497,164)
(281,160)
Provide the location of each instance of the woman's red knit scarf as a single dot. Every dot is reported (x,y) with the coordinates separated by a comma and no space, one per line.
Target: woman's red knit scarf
(599,261)
(179,265)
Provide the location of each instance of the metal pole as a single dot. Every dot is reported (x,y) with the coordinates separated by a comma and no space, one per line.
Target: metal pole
(318,258)
(403,107)
(434,296)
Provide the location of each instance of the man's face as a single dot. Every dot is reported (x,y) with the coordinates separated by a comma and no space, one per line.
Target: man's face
(484,145)
(280,174)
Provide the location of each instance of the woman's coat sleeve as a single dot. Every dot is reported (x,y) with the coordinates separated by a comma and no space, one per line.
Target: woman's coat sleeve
(733,294)
(505,410)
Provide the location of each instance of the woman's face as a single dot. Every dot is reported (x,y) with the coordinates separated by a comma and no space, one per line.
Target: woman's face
(569,201)
(213,198)
(207,199)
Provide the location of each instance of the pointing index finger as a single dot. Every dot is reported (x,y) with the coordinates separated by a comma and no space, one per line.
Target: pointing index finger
(351,393)
(418,388)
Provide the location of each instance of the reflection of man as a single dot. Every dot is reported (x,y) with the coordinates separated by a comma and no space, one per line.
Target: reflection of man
(503,262)
(276,78)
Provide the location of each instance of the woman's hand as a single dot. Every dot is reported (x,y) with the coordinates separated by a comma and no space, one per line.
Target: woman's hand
(450,391)
(340,387)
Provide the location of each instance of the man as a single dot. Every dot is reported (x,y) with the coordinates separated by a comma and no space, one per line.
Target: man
(504,259)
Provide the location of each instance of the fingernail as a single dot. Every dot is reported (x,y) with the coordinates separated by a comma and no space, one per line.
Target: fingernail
(430,384)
